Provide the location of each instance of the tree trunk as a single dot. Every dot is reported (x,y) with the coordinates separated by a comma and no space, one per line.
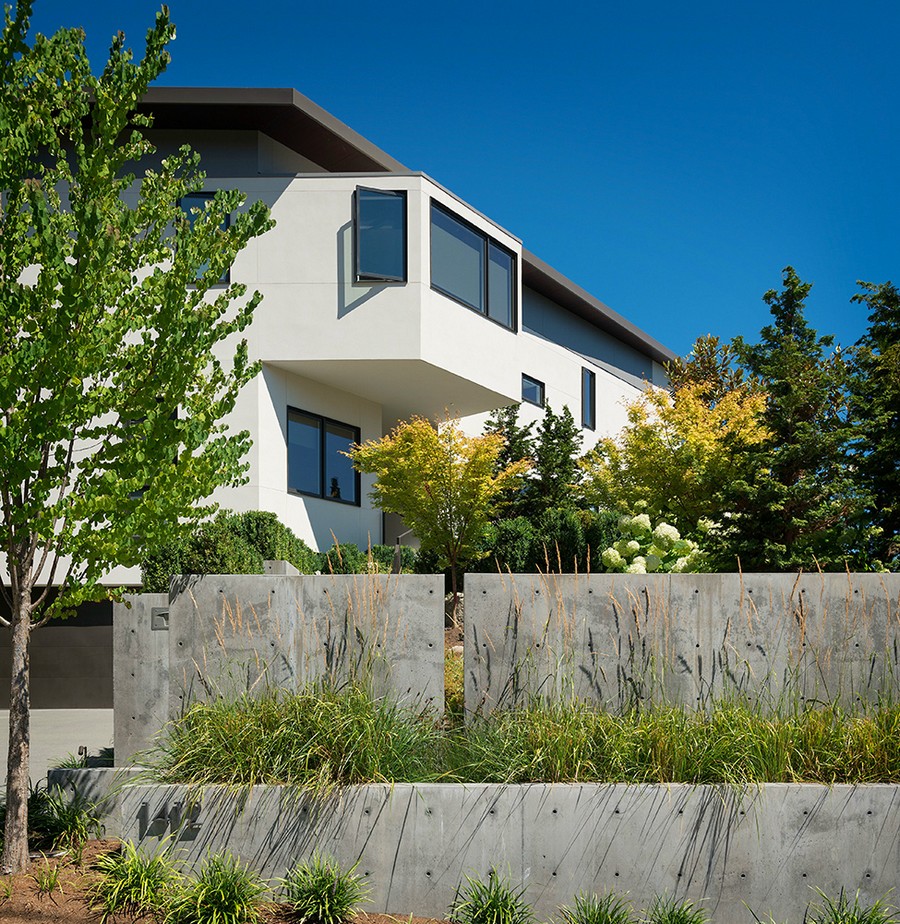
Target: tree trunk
(15,848)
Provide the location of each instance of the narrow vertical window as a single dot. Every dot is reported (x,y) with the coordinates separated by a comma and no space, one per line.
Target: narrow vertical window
(380,240)
(588,399)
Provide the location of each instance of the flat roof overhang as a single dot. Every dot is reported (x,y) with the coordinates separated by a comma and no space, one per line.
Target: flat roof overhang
(297,122)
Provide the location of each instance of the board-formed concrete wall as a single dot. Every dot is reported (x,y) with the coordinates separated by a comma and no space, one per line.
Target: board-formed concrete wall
(620,639)
(765,848)
(230,634)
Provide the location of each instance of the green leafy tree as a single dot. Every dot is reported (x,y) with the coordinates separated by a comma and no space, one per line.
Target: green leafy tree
(875,404)
(114,376)
(443,483)
(801,508)
(681,453)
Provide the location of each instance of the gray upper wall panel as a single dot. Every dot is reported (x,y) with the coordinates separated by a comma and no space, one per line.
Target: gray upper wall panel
(297,122)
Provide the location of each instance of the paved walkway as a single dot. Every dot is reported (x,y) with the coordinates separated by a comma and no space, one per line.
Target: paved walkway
(56,733)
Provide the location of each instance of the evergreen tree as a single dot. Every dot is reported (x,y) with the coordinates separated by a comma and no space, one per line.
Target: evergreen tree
(557,475)
(875,404)
(800,505)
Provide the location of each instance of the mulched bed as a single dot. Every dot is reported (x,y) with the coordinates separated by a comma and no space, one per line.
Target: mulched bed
(67,905)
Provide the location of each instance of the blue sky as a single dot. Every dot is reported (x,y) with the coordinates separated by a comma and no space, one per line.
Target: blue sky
(670,158)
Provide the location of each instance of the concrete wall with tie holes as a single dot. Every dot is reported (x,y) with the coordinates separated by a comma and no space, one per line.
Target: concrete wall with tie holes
(228,634)
(763,850)
(774,640)
(621,639)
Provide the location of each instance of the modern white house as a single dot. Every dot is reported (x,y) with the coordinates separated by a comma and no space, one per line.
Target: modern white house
(385,296)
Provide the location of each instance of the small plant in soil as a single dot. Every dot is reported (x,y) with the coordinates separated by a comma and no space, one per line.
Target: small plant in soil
(46,878)
(594,909)
(132,883)
(495,901)
(666,910)
(225,892)
(844,911)
(320,892)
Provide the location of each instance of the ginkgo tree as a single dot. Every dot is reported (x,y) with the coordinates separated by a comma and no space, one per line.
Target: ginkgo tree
(115,373)
(444,484)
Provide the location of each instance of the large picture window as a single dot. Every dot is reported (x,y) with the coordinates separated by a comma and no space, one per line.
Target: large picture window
(380,238)
(316,466)
(471,268)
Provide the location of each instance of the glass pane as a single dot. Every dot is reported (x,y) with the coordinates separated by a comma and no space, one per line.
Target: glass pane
(340,477)
(588,399)
(381,234)
(532,391)
(500,286)
(304,456)
(457,259)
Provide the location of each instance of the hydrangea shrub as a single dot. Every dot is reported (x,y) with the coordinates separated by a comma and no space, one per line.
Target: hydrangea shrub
(644,548)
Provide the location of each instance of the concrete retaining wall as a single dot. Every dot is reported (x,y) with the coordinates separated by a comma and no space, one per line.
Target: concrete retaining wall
(243,633)
(684,638)
(765,848)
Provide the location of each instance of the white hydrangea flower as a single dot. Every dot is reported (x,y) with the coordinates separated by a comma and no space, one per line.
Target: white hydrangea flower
(665,534)
(653,562)
(612,559)
(637,567)
(640,524)
(624,523)
(632,547)
(657,551)
(680,566)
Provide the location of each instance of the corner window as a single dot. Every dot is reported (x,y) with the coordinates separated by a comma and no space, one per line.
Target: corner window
(192,205)
(532,391)
(315,464)
(588,399)
(379,222)
(471,268)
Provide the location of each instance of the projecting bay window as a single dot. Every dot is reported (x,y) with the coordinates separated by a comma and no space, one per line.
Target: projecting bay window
(316,466)
(588,399)
(379,223)
(471,268)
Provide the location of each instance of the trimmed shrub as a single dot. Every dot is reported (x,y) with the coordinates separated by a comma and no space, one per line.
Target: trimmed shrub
(274,541)
(559,541)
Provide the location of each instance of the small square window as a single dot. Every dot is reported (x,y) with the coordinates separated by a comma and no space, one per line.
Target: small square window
(532,391)
(588,399)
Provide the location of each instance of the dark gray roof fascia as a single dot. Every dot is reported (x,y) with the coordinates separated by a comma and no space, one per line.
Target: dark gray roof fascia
(280,112)
(289,117)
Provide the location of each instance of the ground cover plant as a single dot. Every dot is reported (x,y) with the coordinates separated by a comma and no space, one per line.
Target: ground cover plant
(224,892)
(320,892)
(495,901)
(322,738)
(132,884)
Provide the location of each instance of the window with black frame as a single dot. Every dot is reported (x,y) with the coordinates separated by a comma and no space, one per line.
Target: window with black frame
(588,399)
(316,464)
(380,235)
(532,390)
(472,268)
